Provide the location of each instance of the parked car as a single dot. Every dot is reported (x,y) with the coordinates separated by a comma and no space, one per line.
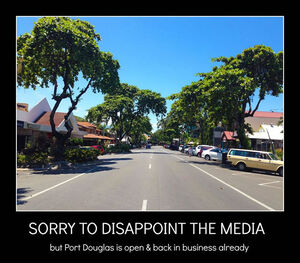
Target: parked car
(243,159)
(198,148)
(184,147)
(173,147)
(194,153)
(98,147)
(201,148)
(212,154)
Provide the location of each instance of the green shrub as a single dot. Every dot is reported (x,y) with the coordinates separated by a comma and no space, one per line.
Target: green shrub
(75,141)
(279,153)
(77,155)
(124,147)
(37,158)
(119,148)
(21,160)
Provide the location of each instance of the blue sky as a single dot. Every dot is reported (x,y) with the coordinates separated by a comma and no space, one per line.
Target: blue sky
(163,54)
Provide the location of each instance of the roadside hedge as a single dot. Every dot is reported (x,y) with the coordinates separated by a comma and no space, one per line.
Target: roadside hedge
(77,155)
(119,148)
(37,158)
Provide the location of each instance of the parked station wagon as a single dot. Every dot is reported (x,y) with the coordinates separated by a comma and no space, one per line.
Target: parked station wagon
(243,159)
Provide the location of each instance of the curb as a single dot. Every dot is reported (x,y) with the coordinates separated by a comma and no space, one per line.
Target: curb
(64,165)
(59,167)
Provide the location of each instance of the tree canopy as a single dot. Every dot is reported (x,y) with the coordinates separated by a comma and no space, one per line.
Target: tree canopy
(56,53)
(226,93)
(124,107)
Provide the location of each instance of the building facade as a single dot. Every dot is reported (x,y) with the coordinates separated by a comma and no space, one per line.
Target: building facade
(93,135)
(35,123)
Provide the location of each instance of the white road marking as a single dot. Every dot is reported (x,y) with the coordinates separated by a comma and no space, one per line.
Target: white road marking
(267,184)
(144,205)
(54,186)
(270,183)
(150,166)
(232,187)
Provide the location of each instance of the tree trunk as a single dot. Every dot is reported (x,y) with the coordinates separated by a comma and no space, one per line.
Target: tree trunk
(241,131)
(59,147)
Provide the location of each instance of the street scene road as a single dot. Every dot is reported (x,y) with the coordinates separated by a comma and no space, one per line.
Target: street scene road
(155,179)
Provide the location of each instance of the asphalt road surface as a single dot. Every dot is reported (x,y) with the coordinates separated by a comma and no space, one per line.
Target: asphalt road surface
(155,179)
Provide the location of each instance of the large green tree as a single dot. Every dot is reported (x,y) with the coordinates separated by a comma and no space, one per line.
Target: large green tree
(140,126)
(226,93)
(55,54)
(189,111)
(231,86)
(125,106)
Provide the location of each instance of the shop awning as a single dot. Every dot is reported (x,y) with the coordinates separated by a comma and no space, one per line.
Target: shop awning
(95,136)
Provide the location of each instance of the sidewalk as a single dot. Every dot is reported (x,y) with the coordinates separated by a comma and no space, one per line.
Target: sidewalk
(57,166)
(61,166)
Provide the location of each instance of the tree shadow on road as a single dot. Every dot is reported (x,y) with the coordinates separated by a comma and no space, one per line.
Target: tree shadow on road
(101,165)
(115,159)
(149,152)
(21,193)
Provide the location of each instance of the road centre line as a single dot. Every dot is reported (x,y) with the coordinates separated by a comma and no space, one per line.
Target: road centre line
(230,186)
(54,186)
(144,205)
(150,166)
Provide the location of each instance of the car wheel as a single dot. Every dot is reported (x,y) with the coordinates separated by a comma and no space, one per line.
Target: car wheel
(207,157)
(241,166)
(280,171)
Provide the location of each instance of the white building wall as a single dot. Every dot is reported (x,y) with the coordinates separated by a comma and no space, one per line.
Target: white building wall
(22,115)
(35,112)
(38,109)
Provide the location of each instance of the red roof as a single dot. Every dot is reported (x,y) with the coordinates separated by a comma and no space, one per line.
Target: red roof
(44,119)
(229,135)
(86,124)
(268,114)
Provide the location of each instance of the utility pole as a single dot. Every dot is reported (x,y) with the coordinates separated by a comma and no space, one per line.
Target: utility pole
(273,150)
